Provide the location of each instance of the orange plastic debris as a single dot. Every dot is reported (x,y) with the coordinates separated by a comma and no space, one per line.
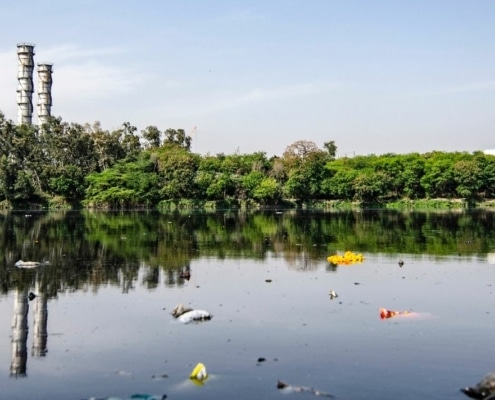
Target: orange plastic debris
(384,313)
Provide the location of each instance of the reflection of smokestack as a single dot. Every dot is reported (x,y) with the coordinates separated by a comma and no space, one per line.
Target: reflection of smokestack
(40,319)
(25,53)
(44,92)
(19,334)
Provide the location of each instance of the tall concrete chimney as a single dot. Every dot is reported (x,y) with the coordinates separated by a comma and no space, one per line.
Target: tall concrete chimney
(25,53)
(44,92)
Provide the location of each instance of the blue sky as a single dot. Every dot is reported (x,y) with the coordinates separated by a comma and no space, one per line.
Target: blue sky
(376,77)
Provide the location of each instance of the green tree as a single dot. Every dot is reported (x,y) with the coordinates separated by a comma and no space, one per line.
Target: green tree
(177,169)
(391,166)
(68,156)
(370,186)
(268,191)
(487,163)
(306,176)
(107,146)
(152,135)
(331,149)
(125,185)
(129,141)
(339,183)
(177,137)
(222,187)
(251,182)
(21,163)
(413,171)
(438,180)
(469,178)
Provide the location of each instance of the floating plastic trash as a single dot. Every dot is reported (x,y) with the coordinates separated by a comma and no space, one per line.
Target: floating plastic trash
(333,295)
(137,396)
(384,313)
(286,388)
(30,264)
(346,259)
(199,374)
(485,389)
(186,314)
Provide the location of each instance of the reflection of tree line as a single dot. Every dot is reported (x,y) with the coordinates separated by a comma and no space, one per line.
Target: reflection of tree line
(87,250)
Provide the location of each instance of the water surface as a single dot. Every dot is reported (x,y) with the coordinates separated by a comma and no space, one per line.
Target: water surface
(100,325)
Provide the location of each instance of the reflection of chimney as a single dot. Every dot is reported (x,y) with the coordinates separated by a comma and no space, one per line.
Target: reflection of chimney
(44,92)
(40,318)
(25,53)
(19,334)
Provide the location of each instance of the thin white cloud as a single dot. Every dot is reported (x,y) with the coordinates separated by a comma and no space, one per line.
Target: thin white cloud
(81,73)
(252,97)
(69,52)
(92,80)
(289,91)
(240,15)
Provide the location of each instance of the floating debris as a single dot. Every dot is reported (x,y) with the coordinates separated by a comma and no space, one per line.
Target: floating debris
(333,295)
(401,263)
(282,386)
(31,296)
(141,396)
(199,374)
(159,376)
(484,390)
(385,314)
(123,373)
(185,273)
(187,314)
(30,264)
(346,259)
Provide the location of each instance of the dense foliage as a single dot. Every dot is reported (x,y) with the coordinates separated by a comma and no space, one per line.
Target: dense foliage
(63,164)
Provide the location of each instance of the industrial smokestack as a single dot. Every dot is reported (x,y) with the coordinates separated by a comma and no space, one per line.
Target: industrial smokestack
(44,92)
(25,53)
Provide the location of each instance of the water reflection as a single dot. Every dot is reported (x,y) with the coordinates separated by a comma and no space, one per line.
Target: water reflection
(20,329)
(19,334)
(157,258)
(87,250)
(40,321)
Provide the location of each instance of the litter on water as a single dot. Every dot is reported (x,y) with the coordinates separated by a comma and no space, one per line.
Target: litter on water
(198,374)
(30,264)
(286,388)
(186,314)
(385,314)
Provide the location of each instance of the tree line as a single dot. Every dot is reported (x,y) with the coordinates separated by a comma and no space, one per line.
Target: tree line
(69,164)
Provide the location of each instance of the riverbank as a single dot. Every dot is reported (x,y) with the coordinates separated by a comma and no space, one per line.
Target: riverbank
(186,204)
